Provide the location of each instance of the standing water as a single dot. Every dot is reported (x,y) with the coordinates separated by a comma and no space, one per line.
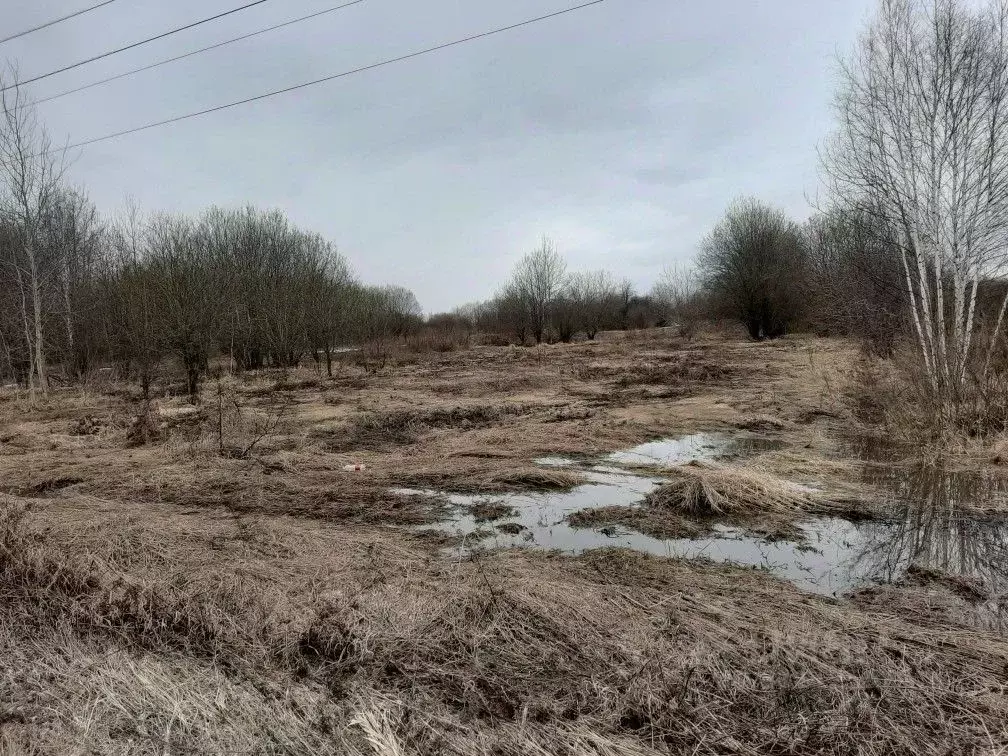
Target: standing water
(930,522)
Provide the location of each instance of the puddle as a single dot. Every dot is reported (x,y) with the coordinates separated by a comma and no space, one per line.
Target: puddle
(927,525)
(693,448)
(542,516)
(819,565)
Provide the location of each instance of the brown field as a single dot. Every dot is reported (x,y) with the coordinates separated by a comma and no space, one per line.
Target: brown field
(230,588)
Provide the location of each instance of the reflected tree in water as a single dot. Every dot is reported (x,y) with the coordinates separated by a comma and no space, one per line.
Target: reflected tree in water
(933,528)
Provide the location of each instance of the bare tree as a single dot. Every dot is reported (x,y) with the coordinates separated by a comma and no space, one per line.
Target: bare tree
(131,300)
(625,296)
(677,297)
(71,239)
(596,296)
(923,141)
(190,289)
(538,280)
(568,315)
(511,309)
(858,283)
(30,174)
(328,296)
(755,264)
(402,310)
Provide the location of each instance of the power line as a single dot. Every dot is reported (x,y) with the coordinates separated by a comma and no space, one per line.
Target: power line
(134,44)
(196,52)
(341,75)
(55,21)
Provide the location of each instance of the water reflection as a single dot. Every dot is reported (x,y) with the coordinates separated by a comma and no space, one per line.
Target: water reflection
(934,525)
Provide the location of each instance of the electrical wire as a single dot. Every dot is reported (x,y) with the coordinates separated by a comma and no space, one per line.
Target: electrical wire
(133,45)
(55,21)
(196,52)
(361,69)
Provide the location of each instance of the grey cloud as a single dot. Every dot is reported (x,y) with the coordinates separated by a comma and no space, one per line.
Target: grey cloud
(622,130)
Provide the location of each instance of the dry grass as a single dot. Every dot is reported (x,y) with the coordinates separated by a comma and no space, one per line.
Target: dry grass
(490,510)
(306,647)
(377,431)
(657,524)
(729,492)
(934,599)
(761,423)
(167,599)
(475,475)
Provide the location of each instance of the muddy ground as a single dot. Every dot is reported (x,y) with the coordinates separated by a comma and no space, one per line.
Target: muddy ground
(229,586)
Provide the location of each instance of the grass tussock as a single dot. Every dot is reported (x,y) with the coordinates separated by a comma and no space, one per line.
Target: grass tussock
(687,368)
(761,423)
(731,492)
(474,475)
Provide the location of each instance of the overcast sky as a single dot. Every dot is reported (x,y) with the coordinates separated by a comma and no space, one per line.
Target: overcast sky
(621,131)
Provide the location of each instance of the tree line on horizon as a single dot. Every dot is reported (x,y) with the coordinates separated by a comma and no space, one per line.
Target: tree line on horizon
(909,254)
(79,290)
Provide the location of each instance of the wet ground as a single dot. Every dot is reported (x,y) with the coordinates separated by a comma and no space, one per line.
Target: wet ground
(930,521)
(696,446)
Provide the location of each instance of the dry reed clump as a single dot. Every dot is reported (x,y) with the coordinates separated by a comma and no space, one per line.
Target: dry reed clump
(894,395)
(998,454)
(531,478)
(245,487)
(252,387)
(700,490)
(145,428)
(374,431)
(142,702)
(438,340)
(483,382)
(649,657)
(89,592)
(687,368)
(932,598)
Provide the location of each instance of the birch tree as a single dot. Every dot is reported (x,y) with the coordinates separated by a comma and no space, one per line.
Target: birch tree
(30,178)
(70,238)
(923,143)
